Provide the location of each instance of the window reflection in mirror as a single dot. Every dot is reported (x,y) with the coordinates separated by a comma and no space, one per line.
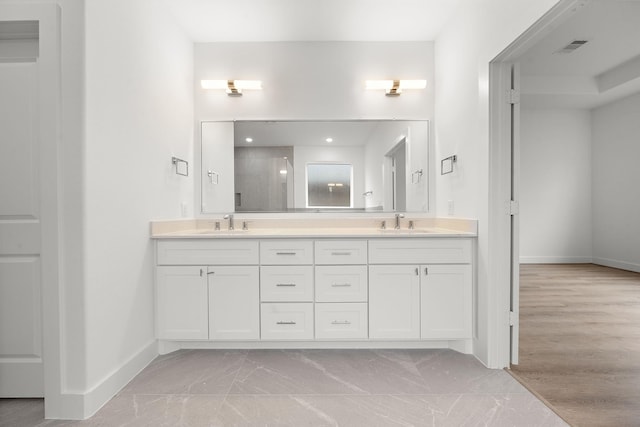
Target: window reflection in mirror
(329,185)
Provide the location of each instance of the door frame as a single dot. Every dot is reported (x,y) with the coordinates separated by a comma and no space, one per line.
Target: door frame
(501,172)
(49,116)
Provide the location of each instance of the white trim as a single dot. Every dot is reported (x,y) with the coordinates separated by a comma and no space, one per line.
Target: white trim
(499,239)
(499,246)
(463,346)
(80,406)
(555,260)
(623,265)
(102,392)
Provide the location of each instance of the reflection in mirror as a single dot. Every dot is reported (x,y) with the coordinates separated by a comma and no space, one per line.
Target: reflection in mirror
(263,166)
(329,185)
(263,179)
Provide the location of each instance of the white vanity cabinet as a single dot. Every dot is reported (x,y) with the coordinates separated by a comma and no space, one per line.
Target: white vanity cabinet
(420,289)
(286,289)
(207,289)
(260,291)
(341,289)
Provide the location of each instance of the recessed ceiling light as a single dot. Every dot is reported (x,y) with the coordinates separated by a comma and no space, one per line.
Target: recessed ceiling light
(329,139)
(249,139)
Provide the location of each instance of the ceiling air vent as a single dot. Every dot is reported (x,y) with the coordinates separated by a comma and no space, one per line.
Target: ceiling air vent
(571,47)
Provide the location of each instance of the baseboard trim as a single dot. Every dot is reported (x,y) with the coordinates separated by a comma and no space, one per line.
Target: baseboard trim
(101,393)
(622,265)
(462,345)
(555,260)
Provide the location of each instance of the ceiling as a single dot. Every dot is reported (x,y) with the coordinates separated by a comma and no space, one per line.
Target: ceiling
(312,20)
(606,68)
(603,70)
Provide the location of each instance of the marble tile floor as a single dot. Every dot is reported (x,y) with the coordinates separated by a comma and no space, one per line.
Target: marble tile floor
(310,388)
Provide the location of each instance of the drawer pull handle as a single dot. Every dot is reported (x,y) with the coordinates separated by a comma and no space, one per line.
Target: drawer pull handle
(285,323)
(285,253)
(340,253)
(341,285)
(340,322)
(285,284)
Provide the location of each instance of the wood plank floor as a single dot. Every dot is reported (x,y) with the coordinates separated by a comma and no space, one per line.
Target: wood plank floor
(580,342)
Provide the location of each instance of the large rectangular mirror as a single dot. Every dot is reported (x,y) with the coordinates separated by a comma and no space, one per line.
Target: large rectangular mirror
(311,166)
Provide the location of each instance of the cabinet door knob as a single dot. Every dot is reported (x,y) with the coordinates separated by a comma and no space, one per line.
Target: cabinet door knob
(201,272)
(426,271)
(417,271)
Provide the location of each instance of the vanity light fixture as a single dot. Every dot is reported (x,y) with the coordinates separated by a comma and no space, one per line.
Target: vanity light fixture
(233,87)
(395,87)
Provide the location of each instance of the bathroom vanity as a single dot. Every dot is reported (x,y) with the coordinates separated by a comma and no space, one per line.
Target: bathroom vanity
(314,286)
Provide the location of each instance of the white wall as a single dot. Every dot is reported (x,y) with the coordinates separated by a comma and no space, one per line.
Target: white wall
(139,113)
(479,32)
(555,186)
(313,80)
(616,176)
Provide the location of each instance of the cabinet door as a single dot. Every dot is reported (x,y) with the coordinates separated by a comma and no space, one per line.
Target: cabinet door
(394,302)
(181,301)
(234,303)
(446,301)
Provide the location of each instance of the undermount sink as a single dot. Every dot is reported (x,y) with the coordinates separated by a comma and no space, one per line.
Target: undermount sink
(221,232)
(405,231)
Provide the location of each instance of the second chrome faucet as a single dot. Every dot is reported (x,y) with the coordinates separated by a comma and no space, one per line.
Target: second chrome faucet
(230,218)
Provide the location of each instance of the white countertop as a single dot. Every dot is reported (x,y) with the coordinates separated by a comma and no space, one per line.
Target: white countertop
(367,228)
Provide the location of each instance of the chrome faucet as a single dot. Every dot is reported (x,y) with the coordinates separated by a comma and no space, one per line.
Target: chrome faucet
(398,216)
(230,218)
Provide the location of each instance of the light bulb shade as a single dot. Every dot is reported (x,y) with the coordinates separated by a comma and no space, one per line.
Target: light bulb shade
(232,86)
(413,84)
(213,84)
(394,87)
(379,84)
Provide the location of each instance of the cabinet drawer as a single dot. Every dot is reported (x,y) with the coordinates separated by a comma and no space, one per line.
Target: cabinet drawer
(344,283)
(207,252)
(286,283)
(287,321)
(341,321)
(283,252)
(334,252)
(420,251)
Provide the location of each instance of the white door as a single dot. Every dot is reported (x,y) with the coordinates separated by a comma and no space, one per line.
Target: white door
(21,364)
(394,302)
(234,303)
